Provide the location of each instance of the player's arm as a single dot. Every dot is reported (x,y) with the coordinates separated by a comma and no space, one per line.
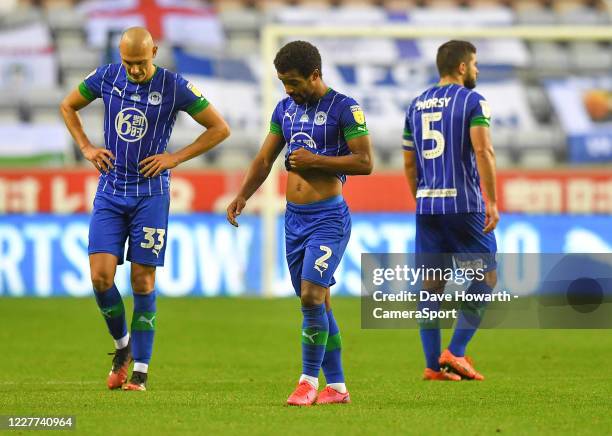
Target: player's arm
(485,161)
(410,170)
(257,173)
(410,157)
(101,158)
(216,131)
(359,162)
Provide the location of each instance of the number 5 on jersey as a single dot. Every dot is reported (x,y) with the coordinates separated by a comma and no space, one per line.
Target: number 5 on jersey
(149,233)
(436,135)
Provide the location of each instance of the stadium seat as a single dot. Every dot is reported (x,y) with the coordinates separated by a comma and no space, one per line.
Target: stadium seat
(532,13)
(44,115)
(590,56)
(240,20)
(538,158)
(43,98)
(548,56)
(232,159)
(9,116)
(79,59)
(539,103)
(65,18)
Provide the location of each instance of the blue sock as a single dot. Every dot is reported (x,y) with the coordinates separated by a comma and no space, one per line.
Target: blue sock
(111,306)
(143,327)
(430,335)
(468,320)
(315,328)
(332,363)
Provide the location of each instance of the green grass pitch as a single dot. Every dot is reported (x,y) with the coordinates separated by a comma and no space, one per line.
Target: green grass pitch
(227,365)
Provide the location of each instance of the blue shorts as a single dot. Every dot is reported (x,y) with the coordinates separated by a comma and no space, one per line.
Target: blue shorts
(440,239)
(316,235)
(143,219)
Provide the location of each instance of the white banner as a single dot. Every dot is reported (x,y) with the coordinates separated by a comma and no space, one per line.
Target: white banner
(25,52)
(33,139)
(384,105)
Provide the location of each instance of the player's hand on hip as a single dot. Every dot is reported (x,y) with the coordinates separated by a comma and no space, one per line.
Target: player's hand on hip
(491,217)
(101,158)
(234,209)
(153,165)
(301,159)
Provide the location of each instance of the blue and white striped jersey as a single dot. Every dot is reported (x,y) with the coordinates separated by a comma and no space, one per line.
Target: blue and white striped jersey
(323,127)
(138,121)
(437,128)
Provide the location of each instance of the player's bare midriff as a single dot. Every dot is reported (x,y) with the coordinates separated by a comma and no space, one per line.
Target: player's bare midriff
(311,186)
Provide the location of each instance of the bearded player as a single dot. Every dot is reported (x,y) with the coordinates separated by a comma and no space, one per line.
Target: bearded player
(447,152)
(141,102)
(327,139)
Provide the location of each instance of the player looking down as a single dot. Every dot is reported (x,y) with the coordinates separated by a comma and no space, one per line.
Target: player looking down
(141,102)
(327,139)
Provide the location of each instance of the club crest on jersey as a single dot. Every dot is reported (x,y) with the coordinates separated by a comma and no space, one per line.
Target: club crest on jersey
(358,114)
(135,97)
(155,98)
(131,124)
(304,118)
(320,118)
(302,139)
(192,88)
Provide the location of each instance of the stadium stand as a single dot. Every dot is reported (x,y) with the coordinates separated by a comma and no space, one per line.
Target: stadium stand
(67,39)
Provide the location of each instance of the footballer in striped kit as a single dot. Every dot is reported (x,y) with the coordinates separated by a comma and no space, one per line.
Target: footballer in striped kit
(327,139)
(447,154)
(141,102)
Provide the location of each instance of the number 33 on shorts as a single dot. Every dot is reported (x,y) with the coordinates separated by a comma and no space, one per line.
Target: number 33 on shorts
(150,234)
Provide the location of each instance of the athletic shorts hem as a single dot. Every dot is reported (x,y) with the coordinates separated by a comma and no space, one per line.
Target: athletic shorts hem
(147,263)
(319,283)
(120,260)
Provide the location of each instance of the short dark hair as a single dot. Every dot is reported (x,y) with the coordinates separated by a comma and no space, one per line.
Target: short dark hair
(298,55)
(451,54)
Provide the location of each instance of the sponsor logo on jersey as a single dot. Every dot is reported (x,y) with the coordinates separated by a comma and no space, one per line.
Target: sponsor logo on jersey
(135,97)
(302,139)
(192,88)
(358,114)
(131,124)
(320,118)
(288,115)
(486,109)
(155,98)
(304,118)
(117,90)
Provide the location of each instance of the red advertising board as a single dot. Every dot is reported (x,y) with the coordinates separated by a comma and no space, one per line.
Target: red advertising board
(72,191)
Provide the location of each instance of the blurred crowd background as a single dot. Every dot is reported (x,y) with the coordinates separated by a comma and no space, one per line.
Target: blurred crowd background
(551,100)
